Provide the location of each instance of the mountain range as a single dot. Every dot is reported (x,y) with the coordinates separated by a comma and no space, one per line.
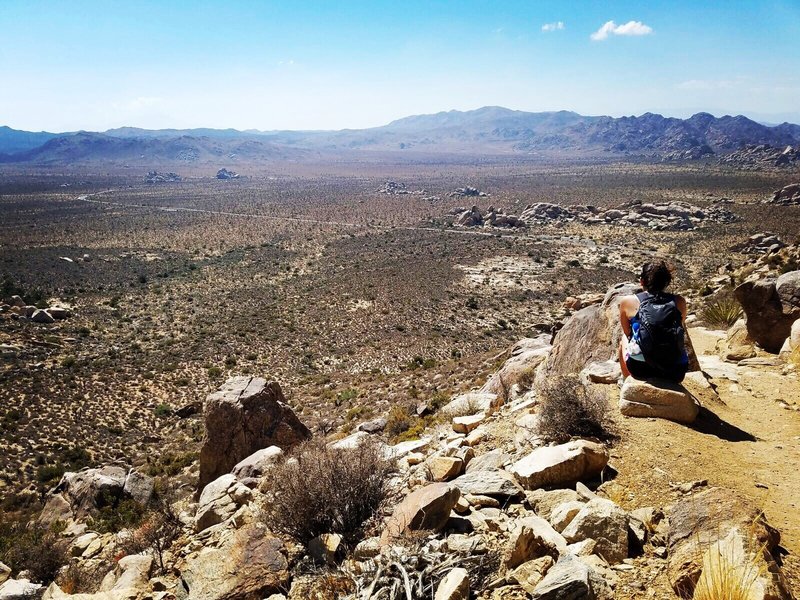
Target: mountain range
(485,131)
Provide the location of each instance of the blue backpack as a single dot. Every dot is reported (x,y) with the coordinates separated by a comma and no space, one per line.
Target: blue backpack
(661,333)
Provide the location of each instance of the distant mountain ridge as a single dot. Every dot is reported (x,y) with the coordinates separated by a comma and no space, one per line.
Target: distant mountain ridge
(489,130)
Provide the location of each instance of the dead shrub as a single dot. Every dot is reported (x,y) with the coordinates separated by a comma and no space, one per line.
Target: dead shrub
(157,530)
(326,490)
(570,409)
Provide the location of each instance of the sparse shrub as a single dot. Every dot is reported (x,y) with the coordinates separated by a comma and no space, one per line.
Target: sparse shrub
(326,490)
(163,410)
(569,409)
(722,312)
(116,514)
(214,372)
(32,547)
(158,529)
(472,303)
(398,421)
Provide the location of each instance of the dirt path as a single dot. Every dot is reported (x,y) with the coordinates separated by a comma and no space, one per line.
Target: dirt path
(750,444)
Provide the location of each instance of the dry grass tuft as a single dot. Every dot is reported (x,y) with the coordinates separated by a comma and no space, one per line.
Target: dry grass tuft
(728,574)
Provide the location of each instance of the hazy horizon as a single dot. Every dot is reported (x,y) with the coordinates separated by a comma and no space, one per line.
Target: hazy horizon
(311,65)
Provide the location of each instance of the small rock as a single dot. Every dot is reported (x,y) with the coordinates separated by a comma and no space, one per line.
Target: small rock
(444,468)
(324,549)
(454,586)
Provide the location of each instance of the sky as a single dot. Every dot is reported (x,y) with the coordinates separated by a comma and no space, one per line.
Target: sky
(295,64)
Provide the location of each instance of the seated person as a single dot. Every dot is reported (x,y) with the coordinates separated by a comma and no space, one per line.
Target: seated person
(653,323)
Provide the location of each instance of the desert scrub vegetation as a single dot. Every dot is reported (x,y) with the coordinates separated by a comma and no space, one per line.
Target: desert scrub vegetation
(722,311)
(570,409)
(326,490)
(31,547)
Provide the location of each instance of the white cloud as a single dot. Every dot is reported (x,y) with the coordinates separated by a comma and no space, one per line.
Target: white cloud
(629,28)
(557,26)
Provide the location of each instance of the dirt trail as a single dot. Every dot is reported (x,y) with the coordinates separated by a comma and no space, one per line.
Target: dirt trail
(750,444)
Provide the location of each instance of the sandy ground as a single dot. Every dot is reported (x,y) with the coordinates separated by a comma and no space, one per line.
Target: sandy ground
(749,442)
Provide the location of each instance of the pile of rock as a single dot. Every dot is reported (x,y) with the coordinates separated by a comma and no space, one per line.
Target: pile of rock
(226,174)
(493,217)
(156,177)
(467,192)
(762,156)
(693,153)
(17,306)
(786,196)
(396,189)
(673,216)
(762,243)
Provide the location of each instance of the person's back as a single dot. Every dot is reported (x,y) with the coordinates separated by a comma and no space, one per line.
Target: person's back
(653,326)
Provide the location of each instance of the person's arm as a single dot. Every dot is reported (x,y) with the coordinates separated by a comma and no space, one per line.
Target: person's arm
(624,319)
(680,302)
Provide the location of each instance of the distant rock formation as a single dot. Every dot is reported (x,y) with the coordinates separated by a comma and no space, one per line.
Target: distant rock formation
(673,216)
(467,192)
(226,174)
(156,177)
(760,156)
(786,196)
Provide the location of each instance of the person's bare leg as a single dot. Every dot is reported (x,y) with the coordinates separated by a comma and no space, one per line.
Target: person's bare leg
(621,356)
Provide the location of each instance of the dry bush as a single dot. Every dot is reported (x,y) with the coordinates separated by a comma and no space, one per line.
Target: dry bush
(570,409)
(326,490)
(83,578)
(157,530)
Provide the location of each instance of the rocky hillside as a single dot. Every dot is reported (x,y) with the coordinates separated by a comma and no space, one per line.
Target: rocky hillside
(532,485)
(485,131)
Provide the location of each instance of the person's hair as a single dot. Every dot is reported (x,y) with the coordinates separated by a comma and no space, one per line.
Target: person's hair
(656,276)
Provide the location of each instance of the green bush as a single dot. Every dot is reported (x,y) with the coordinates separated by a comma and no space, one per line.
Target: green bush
(117,514)
(31,547)
(722,312)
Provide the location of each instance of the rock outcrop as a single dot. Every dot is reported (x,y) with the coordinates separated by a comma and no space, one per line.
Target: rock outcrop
(717,515)
(79,495)
(519,369)
(426,508)
(226,174)
(245,415)
(247,563)
(770,306)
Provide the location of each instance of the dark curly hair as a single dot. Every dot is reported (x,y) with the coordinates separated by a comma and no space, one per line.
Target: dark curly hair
(656,276)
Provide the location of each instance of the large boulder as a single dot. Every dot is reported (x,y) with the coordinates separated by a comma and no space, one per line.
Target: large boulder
(425,508)
(20,589)
(248,563)
(569,579)
(245,415)
(592,335)
(604,522)
(531,538)
(80,494)
(770,306)
(492,482)
(220,500)
(526,355)
(704,519)
(657,398)
(559,465)
(257,464)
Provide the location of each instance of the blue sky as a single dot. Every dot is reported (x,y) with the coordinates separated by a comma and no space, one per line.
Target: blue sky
(327,65)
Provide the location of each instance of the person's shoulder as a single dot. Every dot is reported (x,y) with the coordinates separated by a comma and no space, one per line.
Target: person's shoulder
(629,300)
